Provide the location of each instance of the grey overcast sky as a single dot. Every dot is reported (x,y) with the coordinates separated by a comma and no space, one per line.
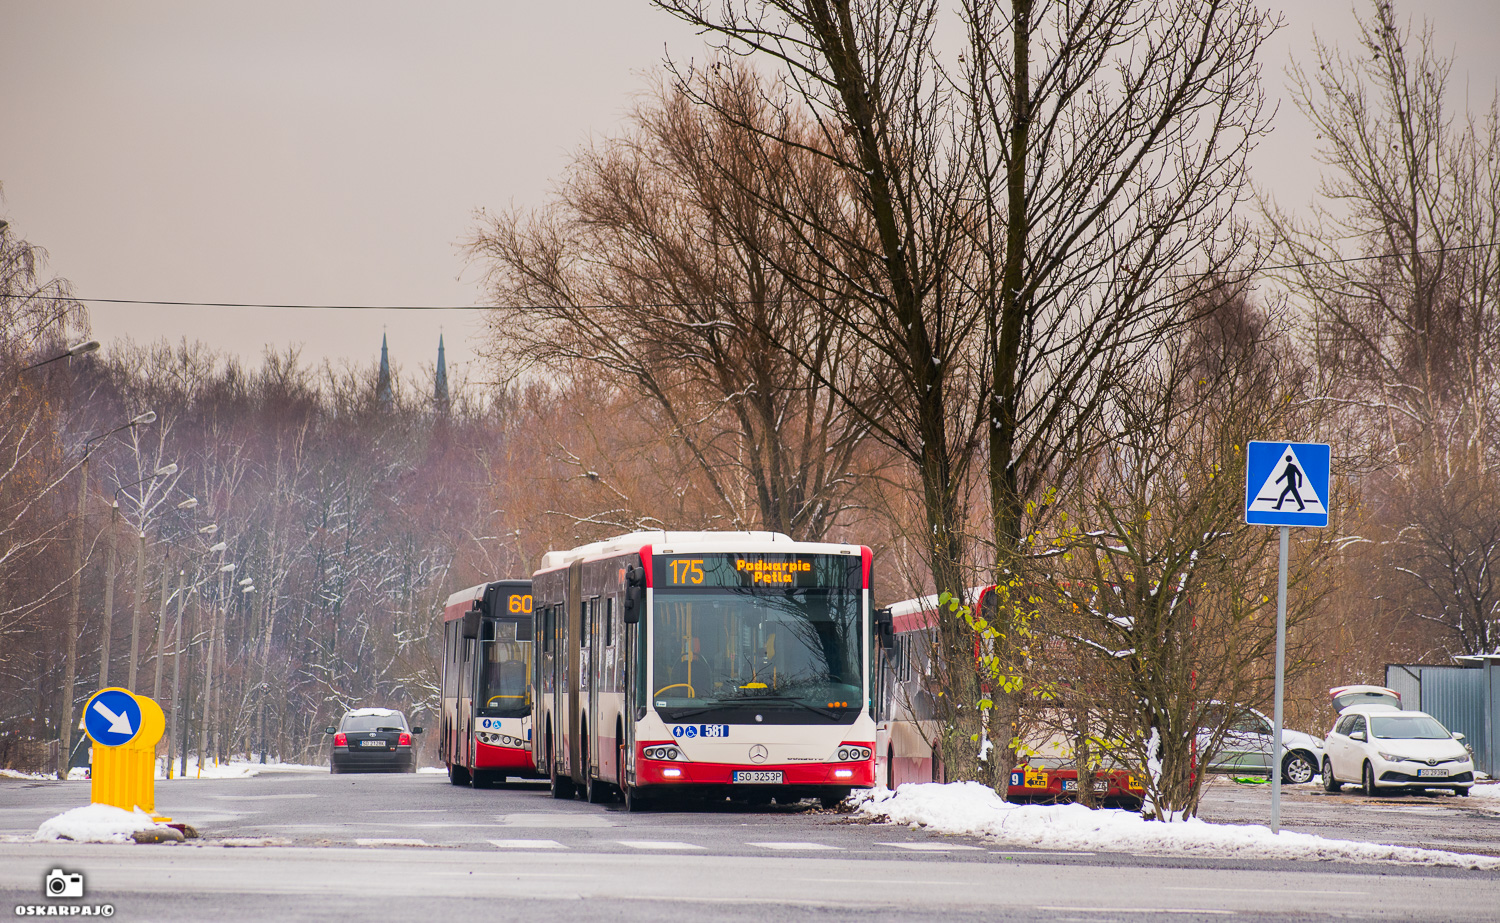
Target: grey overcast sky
(318,152)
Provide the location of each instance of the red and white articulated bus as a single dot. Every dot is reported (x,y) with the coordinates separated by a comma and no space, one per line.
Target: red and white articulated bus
(906,732)
(708,664)
(487,663)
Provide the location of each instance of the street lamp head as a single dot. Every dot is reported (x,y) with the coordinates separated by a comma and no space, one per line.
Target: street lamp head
(218,547)
(247,581)
(166,470)
(188,504)
(87,346)
(141,419)
(209,529)
(228,568)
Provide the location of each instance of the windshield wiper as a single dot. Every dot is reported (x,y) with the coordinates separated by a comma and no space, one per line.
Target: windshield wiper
(703,710)
(753,699)
(782,700)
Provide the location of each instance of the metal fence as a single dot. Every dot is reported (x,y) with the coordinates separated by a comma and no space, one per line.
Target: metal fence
(1465,698)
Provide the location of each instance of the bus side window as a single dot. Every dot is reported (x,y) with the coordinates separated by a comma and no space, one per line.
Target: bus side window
(583,624)
(609,621)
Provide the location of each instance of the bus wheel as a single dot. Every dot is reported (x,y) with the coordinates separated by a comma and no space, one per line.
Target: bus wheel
(635,802)
(458,775)
(562,786)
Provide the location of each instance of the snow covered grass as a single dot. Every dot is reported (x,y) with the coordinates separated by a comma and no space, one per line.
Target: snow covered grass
(97,823)
(236,768)
(29,776)
(968,808)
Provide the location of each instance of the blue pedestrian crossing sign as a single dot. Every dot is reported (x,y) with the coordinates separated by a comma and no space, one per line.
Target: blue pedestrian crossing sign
(112,717)
(1286,484)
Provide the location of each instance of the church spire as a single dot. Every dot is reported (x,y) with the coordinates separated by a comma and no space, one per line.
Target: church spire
(384,397)
(440,381)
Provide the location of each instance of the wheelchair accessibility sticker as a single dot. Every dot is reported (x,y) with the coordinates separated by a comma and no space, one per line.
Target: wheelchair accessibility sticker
(700,730)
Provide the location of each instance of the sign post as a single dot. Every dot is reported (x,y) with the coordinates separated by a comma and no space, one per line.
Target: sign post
(125,728)
(1278,475)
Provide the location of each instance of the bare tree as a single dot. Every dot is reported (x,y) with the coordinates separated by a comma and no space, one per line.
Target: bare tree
(1157,582)
(1030,212)
(1408,327)
(659,271)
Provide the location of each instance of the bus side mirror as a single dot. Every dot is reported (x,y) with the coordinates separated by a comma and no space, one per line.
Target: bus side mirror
(885,628)
(635,593)
(331,730)
(471,623)
(416,730)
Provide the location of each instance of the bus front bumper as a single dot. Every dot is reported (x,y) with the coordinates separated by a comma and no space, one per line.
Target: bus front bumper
(681,772)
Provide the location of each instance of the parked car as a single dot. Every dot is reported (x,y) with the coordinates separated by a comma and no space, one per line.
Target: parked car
(1344,696)
(372,740)
(1385,748)
(1245,748)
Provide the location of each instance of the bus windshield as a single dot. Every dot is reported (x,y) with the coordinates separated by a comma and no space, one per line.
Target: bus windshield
(742,655)
(504,672)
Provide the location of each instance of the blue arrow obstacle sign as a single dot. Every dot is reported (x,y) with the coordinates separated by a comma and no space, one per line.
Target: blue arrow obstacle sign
(1286,484)
(112,717)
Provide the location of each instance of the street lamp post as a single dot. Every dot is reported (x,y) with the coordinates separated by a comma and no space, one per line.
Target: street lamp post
(140,579)
(109,582)
(181,648)
(161,615)
(210,697)
(77,349)
(70,659)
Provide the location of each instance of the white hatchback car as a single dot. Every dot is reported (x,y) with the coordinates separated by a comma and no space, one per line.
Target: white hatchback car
(1383,747)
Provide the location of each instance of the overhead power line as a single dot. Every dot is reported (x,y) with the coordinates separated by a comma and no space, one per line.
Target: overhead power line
(587,307)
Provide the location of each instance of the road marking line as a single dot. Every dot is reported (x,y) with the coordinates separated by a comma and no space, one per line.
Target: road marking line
(390,841)
(931,847)
(656,844)
(527,844)
(1261,890)
(882,881)
(1136,910)
(795,846)
(1040,852)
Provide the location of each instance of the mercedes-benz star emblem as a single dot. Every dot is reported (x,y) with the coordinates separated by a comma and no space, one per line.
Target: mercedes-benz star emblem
(758,754)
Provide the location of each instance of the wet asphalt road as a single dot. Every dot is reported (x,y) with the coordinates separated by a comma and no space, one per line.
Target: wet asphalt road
(314,846)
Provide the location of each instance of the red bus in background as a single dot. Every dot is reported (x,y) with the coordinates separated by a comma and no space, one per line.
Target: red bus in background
(906,734)
(486,721)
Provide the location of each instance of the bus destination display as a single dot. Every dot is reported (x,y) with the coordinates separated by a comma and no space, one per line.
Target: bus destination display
(757,571)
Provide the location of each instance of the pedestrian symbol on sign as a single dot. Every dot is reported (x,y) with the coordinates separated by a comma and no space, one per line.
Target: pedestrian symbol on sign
(1293,484)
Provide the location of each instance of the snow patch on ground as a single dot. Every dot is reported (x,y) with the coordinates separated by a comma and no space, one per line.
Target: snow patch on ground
(971,809)
(1486,795)
(233,769)
(97,823)
(29,776)
(433,769)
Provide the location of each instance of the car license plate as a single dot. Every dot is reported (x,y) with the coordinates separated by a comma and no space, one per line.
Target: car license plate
(1441,773)
(758,776)
(372,743)
(1071,785)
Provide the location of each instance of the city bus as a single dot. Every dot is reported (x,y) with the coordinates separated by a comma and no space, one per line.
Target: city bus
(906,739)
(704,664)
(487,662)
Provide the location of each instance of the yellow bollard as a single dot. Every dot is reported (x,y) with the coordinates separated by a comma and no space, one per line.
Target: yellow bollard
(125,728)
